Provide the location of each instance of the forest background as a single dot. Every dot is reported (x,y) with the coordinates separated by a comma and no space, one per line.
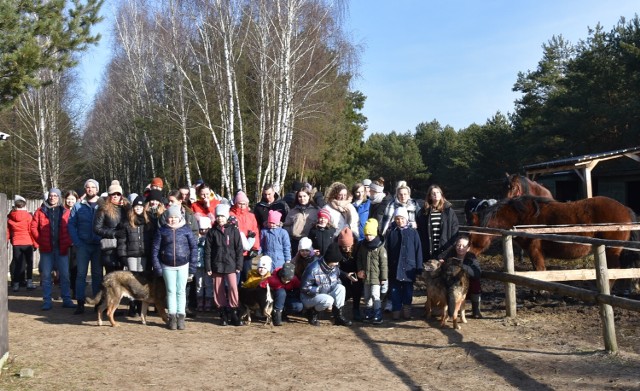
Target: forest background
(247,92)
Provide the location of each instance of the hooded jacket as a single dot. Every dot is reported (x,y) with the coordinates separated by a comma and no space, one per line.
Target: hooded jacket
(41,229)
(18,228)
(223,249)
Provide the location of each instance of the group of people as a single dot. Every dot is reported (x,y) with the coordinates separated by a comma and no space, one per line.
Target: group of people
(314,252)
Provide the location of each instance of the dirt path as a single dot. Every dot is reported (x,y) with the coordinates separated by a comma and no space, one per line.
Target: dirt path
(554,346)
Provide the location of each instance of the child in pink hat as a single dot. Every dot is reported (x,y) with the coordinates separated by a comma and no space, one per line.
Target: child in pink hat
(274,241)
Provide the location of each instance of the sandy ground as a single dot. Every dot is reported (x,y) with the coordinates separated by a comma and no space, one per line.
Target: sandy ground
(552,344)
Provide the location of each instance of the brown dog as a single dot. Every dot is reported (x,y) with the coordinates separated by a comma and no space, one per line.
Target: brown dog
(456,281)
(119,284)
(436,290)
(252,299)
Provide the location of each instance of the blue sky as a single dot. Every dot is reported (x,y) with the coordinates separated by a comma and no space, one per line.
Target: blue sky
(452,61)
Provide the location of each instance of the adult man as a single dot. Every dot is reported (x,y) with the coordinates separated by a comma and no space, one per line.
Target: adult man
(269,202)
(87,242)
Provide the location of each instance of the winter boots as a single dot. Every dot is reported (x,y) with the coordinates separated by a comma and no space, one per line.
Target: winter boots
(173,322)
(377,317)
(312,317)
(368,315)
(80,308)
(475,306)
(223,317)
(406,312)
(340,320)
(277,317)
(30,285)
(180,322)
(235,320)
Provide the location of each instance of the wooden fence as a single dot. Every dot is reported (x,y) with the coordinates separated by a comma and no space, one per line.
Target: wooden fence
(542,279)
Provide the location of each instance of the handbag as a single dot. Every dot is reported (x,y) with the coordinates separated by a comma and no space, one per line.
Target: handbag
(108,244)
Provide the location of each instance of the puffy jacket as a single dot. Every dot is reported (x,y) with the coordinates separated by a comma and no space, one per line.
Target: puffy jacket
(109,218)
(247,223)
(412,208)
(41,229)
(19,227)
(319,278)
(223,249)
(300,220)
(174,247)
(404,253)
(448,232)
(81,224)
(275,243)
(137,240)
(275,282)
(372,259)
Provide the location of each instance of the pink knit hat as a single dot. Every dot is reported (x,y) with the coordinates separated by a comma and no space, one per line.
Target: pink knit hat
(274,217)
(241,198)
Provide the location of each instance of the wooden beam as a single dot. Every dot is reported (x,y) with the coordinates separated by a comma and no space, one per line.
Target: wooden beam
(588,189)
(606,310)
(578,228)
(578,274)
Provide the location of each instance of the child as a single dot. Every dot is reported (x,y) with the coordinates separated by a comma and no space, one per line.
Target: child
(322,233)
(204,284)
(404,254)
(274,241)
(175,256)
(472,267)
(263,271)
(285,288)
(372,269)
(304,257)
(18,223)
(222,260)
(349,267)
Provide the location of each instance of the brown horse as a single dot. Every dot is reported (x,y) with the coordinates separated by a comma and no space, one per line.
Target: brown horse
(529,210)
(517,185)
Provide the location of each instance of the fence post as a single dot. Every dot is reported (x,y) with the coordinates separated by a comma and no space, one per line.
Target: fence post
(4,292)
(509,267)
(606,311)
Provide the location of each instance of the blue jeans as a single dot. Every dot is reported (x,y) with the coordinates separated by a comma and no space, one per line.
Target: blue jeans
(401,293)
(86,253)
(325,301)
(176,282)
(61,263)
(290,299)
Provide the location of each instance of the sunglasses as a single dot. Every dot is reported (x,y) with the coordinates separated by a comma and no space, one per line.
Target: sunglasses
(115,195)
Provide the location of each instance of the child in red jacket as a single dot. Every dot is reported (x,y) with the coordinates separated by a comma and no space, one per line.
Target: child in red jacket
(285,288)
(18,223)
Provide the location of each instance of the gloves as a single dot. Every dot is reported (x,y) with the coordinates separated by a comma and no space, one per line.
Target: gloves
(190,278)
(253,253)
(384,286)
(251,234)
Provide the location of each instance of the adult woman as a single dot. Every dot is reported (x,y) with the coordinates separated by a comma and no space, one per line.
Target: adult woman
(340,209)
(301,218)
(207,202)
(437,225)
(110,216)
(402,199)
(362,205)
(70,198)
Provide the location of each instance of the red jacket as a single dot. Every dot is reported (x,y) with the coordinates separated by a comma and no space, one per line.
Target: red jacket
(274,282)
(18,228)
(200,210)
(41,231)
(247,222)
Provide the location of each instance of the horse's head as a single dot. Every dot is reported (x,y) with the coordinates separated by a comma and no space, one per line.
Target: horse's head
(513,186)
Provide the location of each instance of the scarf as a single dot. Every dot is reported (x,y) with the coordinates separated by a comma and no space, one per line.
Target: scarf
(343,208)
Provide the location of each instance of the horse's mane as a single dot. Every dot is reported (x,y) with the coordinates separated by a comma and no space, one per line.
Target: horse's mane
(521,205)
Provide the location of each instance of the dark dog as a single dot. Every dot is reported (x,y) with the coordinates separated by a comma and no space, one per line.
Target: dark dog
(119,284)
(456,281)
(252,299)
(436,290)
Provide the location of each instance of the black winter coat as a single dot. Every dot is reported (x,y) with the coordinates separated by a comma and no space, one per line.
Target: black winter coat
(448,232)
(109,218)
(321,238)
(136,241)
(223,249)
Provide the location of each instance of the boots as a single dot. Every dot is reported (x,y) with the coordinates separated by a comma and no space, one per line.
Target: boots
(132,309)
(340,320)
(395,315)
(356,313)
(235,320)
(223,317)
(475,306)
(30,285)
(277,317)
(368,315)
(173,322)
(406,312)
(80,308)
(181,324)
(312,317)
(377,317)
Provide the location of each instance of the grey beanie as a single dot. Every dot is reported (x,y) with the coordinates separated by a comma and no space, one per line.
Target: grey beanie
(94,182)
(174,211)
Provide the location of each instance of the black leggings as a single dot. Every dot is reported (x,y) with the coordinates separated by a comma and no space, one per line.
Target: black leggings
(22,261)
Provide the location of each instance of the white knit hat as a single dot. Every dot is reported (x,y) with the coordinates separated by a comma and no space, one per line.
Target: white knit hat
(265,262)
(305,244)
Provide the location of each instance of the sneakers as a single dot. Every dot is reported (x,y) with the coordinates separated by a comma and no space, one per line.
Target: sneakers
(377,318)
(68,304)
(30,285)
(46,306)
(15,287)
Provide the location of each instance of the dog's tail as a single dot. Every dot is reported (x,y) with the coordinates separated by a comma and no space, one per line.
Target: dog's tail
(95,300)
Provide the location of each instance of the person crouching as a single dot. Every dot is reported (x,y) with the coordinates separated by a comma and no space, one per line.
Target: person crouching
(321,288)
(285,287)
